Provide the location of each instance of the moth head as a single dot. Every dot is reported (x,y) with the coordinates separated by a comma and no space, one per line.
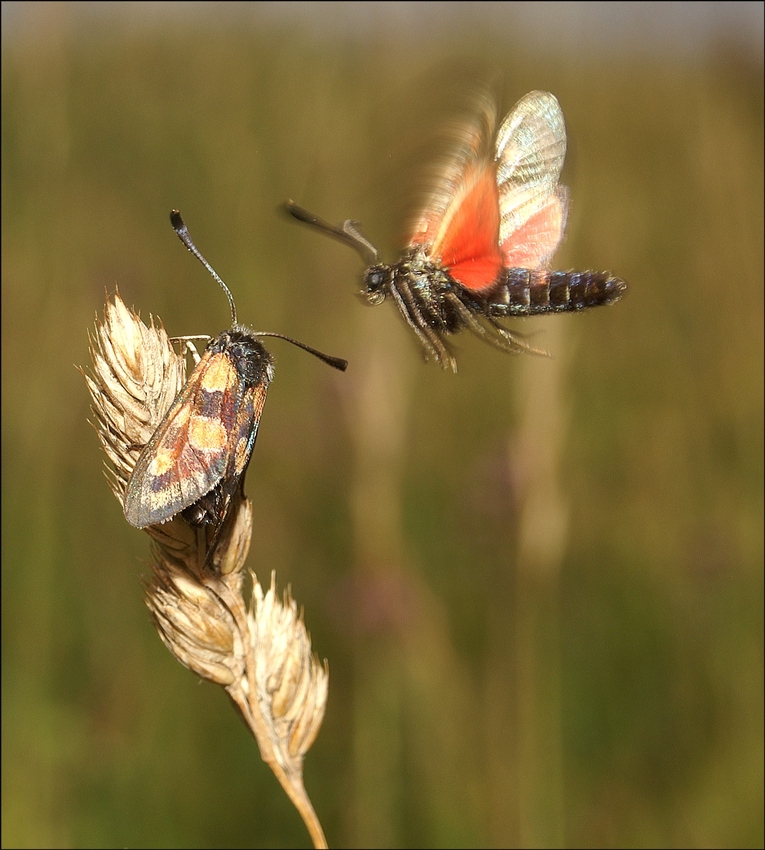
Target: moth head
(377,282)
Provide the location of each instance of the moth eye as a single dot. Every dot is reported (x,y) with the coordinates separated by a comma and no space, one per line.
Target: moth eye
(374,280)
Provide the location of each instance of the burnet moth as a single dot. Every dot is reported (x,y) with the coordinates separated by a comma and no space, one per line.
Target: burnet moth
(480,248)
(196,459)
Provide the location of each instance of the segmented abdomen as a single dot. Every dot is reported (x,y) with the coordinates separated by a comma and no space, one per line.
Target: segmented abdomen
(527,292)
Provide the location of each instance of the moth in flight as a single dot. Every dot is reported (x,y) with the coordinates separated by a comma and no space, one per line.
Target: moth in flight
(479,251)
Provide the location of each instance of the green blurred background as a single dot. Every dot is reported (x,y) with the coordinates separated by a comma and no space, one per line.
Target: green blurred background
(539,583)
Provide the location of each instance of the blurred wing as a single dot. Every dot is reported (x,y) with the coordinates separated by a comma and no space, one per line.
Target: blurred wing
(531,147)
(459,224)
(188,454)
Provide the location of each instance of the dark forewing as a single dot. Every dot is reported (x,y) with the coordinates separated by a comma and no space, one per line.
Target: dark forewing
(188,454)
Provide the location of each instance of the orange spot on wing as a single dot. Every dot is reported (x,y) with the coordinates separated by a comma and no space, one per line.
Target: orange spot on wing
(170,443)
(219,374)
(207,434)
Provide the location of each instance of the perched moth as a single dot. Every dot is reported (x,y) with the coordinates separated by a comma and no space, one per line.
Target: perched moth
(196,459)
(480,248)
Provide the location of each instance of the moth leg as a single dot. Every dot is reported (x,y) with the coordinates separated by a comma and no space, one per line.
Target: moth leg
(429,338)
(518,339)
(504,339)
(192,349)
(188,345)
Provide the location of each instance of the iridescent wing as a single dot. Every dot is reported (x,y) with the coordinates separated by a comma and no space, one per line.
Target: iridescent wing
(530,149)
(485,213)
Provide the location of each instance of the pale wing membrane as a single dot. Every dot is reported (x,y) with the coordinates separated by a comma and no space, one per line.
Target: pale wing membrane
(468,144)
(533,244)
(531,147)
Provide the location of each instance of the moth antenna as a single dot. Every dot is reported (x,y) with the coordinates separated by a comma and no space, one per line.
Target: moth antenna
(335,362)
(180,228)
(348,232)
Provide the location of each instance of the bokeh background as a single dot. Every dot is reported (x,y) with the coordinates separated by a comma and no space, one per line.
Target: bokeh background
(538,583)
